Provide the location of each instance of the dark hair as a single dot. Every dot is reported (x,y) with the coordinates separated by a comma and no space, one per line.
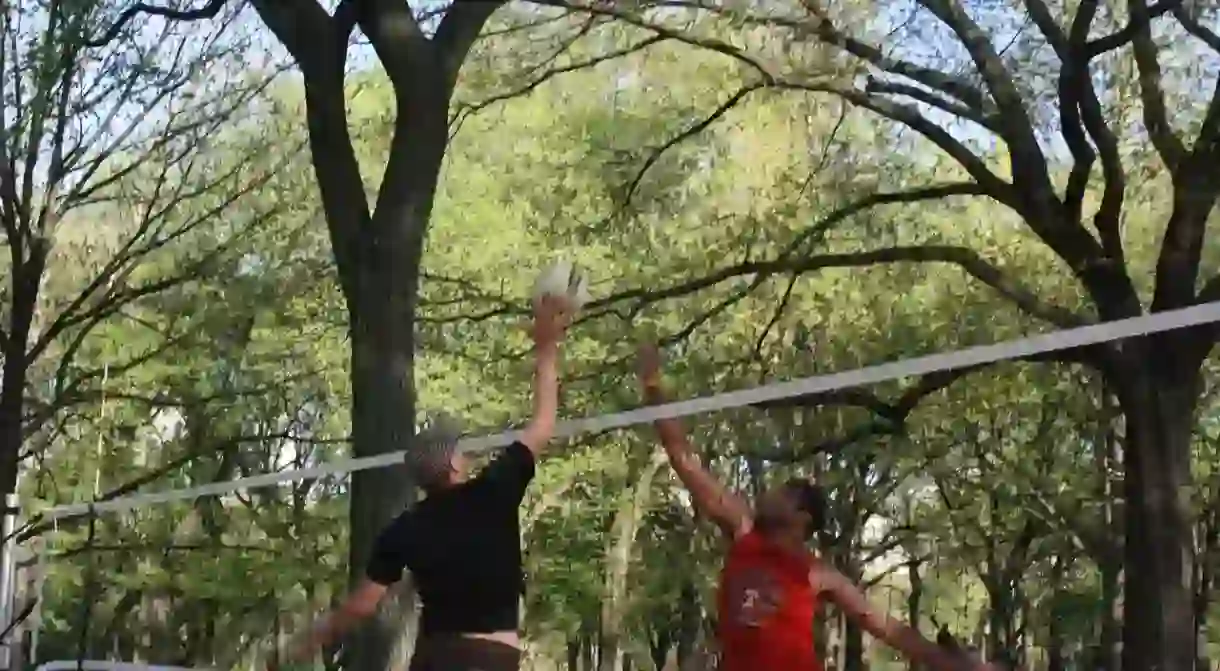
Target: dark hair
(811,500)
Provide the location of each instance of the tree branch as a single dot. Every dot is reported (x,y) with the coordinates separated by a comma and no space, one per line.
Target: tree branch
(1192,26)
(1028,162)
(890,417)
(458,32)
(1156,116)
(874,85)
(718,46)
(965,258)
(397,38)
(1080,112)
(464,110)
(1127,33)
(910,116)
(208,11)
(955,87)
(798,246)
(687,133)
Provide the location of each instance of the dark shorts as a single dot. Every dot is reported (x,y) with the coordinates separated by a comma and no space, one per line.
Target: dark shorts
(457,653)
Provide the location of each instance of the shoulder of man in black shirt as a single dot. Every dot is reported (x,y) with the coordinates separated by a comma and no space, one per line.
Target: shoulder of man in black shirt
(501,484)
(509,474)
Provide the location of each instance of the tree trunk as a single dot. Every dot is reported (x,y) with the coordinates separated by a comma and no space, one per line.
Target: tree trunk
(378,253)
(1055,658)
(1158,400)
(1205,580)
(618,566)
(380,274)
(382,421)
(586,649)
(690,618)
(1109,557)
(853,647)
(914,599)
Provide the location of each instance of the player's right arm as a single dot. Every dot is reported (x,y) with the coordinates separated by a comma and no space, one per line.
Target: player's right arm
(386,566)
(710,497)
(360,604)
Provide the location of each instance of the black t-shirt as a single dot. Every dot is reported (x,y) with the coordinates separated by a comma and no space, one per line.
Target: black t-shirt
(463,548)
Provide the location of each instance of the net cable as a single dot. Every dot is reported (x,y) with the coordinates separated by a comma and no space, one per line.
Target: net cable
(1054,341)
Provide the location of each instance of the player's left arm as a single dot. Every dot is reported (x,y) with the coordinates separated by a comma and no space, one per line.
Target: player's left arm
(892,631)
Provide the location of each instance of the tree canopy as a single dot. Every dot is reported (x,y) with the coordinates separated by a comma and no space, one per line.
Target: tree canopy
(248,242)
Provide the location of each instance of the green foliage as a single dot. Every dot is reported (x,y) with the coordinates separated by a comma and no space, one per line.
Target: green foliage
(999,496)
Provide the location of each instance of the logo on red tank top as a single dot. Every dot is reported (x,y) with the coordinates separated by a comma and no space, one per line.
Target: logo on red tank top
(753,597)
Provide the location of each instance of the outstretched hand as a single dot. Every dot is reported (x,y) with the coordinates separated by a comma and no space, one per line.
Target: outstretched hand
(551,317)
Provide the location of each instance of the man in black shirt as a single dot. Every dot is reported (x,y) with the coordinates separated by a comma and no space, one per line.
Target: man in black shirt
(462,542)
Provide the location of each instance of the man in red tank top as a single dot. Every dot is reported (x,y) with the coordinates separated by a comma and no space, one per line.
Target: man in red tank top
(771,585)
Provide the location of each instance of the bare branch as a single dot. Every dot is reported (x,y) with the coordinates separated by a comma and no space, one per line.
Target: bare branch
(718,46)
(208,11)
(464,110)
(687,133)
(965,258)
(824,30)
(457,33)
(1194,27)
(798,246)
(926,97)
(910,116)
(1134,27)
(1028,162)
(1156,116)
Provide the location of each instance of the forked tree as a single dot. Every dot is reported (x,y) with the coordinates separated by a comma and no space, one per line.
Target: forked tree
(102,182)
(377,247)
(1006,61)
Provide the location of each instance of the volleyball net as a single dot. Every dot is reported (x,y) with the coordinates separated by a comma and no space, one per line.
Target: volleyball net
(215,576)
(217,581)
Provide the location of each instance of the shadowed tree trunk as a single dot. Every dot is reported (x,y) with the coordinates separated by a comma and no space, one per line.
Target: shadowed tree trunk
(1156,378)
(377,250)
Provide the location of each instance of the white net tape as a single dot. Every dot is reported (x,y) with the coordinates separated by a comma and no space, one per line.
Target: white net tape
(1015,349)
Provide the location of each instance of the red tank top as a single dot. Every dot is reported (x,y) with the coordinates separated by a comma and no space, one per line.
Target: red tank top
(766,609)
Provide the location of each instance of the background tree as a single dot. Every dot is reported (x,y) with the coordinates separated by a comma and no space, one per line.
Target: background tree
(1081,48)
(696,228)
(102,178)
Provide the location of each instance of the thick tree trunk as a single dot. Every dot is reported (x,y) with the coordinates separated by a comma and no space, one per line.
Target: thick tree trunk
(380,276)
(1158,400)
(383,420)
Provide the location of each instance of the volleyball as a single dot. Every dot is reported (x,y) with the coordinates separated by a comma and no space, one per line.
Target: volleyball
(563,279)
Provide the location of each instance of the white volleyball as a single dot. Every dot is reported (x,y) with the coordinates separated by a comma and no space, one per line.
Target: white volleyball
(563,279)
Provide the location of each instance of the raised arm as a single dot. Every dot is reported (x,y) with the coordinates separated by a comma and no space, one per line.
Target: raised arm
(894,633)
(726,509)
(551,316)
(359,605)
